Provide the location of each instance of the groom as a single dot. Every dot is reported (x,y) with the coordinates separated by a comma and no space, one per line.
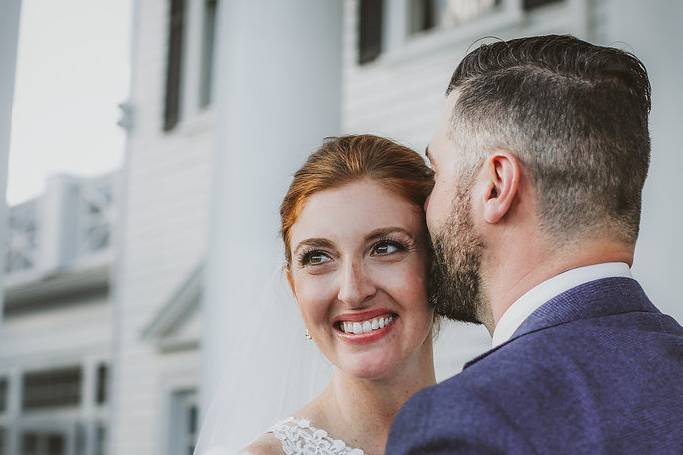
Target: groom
(540,161)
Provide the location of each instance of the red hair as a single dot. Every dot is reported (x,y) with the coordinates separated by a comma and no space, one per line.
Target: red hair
(345,159)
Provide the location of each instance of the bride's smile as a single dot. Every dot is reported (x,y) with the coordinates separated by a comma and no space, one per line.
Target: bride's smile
(366,326)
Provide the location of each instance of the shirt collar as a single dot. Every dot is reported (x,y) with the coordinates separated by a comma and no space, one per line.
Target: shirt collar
(515,315)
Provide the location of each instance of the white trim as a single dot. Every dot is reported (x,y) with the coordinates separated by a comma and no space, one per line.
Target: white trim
(60,283)
(395,23)
(184,300)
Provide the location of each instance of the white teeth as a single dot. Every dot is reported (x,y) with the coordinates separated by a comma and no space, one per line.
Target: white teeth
(368,326)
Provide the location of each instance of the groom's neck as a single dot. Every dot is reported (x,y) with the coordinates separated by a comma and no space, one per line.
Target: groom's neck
(519,266)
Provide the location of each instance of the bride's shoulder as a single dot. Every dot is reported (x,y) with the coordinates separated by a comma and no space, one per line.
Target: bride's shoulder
(266,444)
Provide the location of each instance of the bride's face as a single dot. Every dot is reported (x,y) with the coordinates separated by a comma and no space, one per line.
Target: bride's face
(359,273)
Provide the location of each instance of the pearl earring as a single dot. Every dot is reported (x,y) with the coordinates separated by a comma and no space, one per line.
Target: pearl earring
(308,335)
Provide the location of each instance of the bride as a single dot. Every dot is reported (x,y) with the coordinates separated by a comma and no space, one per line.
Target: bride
(357,260)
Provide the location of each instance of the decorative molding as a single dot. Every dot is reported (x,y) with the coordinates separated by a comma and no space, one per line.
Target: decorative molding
(174,312)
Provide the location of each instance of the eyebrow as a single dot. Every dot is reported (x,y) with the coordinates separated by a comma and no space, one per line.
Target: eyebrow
(315,243)
(383,232)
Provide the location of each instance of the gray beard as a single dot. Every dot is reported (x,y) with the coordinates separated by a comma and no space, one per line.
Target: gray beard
(455,286)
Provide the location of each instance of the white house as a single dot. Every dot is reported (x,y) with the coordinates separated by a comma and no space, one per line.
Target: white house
(227,98)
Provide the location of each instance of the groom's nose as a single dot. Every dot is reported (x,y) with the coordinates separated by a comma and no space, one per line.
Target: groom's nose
(355,286)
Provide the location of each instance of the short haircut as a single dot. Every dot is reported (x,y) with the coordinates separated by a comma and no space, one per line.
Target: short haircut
(575,114)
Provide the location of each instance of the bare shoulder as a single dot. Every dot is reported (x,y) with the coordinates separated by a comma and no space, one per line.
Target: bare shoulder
(266,444)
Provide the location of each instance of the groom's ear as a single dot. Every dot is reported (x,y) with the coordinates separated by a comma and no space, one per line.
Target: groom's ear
(503,173)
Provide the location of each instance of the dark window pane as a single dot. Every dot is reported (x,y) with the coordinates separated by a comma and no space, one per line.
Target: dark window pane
(370,30)
(422,15)
(52,388)
(55,444)
(29,444)
(174,64)
(192,419)
(102,381)
(531,4)
(3,395)
(211,7)
(100,440)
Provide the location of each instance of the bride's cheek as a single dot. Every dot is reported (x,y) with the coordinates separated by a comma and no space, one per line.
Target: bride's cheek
(315,299)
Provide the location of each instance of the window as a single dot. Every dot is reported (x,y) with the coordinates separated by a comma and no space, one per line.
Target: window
(102,383)
(208,39)
(184,419)
(43,444)
(3,395)
(100,439)
(432,14)
(174,64)
(533,4)
(370,30)
(52,389)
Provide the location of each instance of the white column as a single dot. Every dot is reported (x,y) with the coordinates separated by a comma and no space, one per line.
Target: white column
(651,30)
(9,35)
(278,91)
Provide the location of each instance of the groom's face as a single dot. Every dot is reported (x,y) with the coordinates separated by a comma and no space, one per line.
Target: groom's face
(455,281)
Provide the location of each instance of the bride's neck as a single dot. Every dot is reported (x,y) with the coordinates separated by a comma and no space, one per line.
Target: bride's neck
(366,407)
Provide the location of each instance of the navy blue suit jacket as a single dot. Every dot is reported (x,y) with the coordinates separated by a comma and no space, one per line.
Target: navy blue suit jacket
(597,369)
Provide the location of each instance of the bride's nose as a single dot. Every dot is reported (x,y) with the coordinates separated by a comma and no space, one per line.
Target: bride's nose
(355,285)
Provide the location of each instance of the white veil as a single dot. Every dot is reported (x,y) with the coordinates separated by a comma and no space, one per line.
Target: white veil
(274,371)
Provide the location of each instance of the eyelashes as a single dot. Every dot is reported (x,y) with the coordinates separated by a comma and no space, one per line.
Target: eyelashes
(384,246)
(306,257)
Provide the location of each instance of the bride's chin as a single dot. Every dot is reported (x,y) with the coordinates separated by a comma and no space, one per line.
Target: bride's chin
(371,369)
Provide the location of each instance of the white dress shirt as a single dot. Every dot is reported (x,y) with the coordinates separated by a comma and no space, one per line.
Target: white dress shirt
(517,313)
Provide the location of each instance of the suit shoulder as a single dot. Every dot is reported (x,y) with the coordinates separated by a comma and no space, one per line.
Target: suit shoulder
(456,414)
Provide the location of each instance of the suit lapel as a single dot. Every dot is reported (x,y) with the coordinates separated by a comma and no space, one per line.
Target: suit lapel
(594,299)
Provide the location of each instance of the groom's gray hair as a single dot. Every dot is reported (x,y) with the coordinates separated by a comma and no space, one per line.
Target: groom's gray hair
(575,114)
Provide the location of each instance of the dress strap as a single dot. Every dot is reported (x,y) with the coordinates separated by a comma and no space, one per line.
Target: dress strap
(298,436)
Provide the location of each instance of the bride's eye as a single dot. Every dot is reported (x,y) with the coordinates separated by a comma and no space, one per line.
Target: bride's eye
(313,258)
(387,247)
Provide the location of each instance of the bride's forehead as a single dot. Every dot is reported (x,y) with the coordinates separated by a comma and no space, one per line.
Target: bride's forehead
(356,197)
(354,210)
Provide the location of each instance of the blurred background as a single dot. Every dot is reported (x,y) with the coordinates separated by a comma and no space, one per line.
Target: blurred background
(146,145)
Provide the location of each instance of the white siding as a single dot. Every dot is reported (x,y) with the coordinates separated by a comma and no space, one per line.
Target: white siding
(66,333)
(163,234)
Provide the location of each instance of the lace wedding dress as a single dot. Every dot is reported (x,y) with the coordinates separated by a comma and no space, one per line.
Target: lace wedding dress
(299,437)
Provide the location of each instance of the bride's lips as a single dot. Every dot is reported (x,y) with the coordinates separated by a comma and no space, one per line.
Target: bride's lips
(364,338)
